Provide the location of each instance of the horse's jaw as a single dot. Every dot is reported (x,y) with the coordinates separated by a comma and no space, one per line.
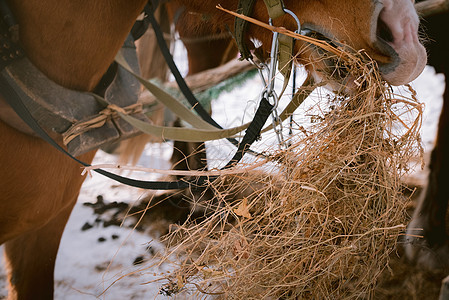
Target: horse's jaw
(395,35)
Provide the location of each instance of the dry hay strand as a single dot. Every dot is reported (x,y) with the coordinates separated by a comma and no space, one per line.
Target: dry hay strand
(323,224)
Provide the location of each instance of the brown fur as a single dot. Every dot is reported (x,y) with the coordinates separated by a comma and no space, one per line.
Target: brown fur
(73,43)
(345,20)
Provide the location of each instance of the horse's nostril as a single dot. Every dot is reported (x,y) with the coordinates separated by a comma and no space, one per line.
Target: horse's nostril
(384,32)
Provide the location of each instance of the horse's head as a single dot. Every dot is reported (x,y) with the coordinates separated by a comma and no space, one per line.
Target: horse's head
(386,29)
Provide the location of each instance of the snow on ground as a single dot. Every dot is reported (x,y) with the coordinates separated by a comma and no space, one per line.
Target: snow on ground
(86,267)
(430,87)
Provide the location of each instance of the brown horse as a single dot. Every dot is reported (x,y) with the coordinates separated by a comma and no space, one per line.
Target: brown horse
(74,43)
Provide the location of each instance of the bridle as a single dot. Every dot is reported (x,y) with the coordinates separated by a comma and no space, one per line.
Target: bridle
(281,57)
(252,133)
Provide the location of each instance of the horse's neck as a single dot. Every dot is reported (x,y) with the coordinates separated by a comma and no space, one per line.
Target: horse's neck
(74,42)
(207,9)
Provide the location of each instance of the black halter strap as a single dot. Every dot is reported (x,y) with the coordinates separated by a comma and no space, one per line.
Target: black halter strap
(9,94)
(251,135)
(149,10)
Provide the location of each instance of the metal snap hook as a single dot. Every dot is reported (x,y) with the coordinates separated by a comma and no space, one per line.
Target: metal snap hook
(273,62)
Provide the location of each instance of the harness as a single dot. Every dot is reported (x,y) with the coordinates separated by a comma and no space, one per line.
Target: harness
(34,105)
(50,103)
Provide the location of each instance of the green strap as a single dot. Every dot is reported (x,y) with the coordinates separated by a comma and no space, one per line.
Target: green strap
(177,133)
(285,58)
(275,8)
(245,7)
(200,134)
(181,133)
(204,130)
(170,102)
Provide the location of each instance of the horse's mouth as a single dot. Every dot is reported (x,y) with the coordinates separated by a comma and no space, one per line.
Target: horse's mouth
(330,64)
(394,36)
(383,42)
(392,42)
(326,66)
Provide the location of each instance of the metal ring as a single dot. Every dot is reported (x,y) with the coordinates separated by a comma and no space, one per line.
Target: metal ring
(294,17)
(258,66)
(272,94)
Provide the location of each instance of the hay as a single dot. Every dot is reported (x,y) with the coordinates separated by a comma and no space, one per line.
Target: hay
(324,223)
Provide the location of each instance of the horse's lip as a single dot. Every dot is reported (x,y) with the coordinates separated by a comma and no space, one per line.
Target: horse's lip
(387,52)
(386,49)
(381,44)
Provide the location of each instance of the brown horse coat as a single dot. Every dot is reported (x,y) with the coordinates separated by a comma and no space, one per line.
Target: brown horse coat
(73,43)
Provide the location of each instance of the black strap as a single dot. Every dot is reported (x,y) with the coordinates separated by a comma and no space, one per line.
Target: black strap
(174,69)
(10,48)
(253,132)
(14,101)
(140,27)
(251,135)
(9,21)
(149,12)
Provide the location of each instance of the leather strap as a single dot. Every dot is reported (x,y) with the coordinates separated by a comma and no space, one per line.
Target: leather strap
(253,132)
(14,101)
(245,7)
(285,58)
(275,8)
(262,114)
(149,9)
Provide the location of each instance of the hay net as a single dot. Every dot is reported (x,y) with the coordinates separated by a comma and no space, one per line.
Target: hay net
(324,221)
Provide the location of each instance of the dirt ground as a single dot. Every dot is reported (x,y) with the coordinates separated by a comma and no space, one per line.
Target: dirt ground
(402,280)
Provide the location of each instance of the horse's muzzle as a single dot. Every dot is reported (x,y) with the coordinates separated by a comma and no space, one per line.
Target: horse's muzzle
(395,35)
